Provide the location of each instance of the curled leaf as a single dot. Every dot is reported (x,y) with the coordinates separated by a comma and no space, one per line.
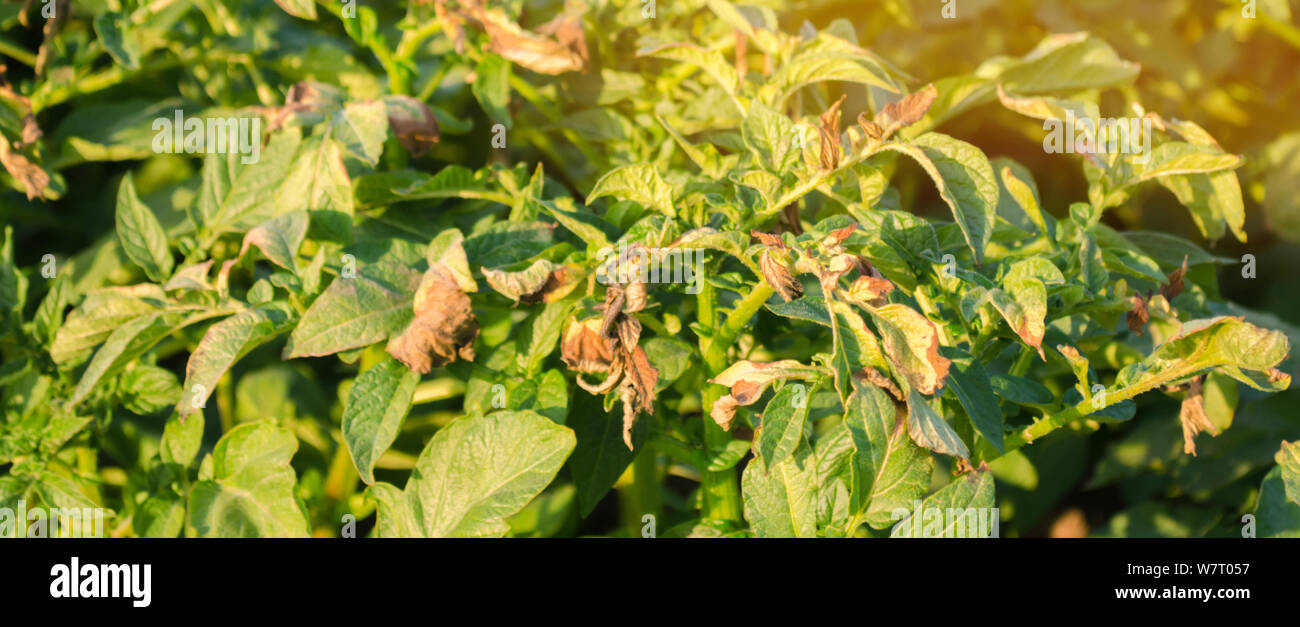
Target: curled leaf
(1138,316)
(829,129)
(412,122)
(585,348)
(912,343)
(908,110)
(1175,285)
(747,381)
(524,285)
(869,127)
(566,52)
(878,379)
(778,275)
(444,327)
(1192,416)
(724,411)
(870,289)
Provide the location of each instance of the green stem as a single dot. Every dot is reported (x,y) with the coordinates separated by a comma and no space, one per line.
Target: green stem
(17,53)
(643,495)
(1085,407)
(715,355)
(721,488)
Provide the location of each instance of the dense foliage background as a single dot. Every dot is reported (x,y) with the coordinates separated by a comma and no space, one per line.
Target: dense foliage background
(313,256)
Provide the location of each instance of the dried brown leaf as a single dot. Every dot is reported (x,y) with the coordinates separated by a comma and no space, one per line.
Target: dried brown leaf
(544,55)
(585,348)
(629,331)
(444,327)
(1175,285)
(869,127)
(769,239)
(1192,415)
(910,109)
(878,379)
(413,124)
(1138,316)
(724,412)
(778,275)
(829,129)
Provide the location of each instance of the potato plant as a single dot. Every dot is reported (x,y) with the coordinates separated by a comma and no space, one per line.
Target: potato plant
(468,268)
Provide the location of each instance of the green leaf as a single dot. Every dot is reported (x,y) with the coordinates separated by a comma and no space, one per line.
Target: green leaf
(113,32)
(601,456)
(710,61)
(672,357)
(809,308)
(225,343)
(783,423)
(357,311)
(362,127)
(13,283)
(965,181)
(640,183)
(318,182)
(95,319)
(781,500)
(1213,199)
(1276,515)
(147,389)
(143,239)
(376,406)
(768,134)
(589,227)
(251,493)
(475,472)
(1237,348)
(162,515)
(1180,158)
(453,181)
(1288,459)
(538,337)
(279,239)
(889,470)
(970,383)
(517,285)
(961,509)
(818,67)
(928,429)
(447,251)
(1068,62)
(235,196)
(491,87)
(181,440)
(108,358)
(305,9)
